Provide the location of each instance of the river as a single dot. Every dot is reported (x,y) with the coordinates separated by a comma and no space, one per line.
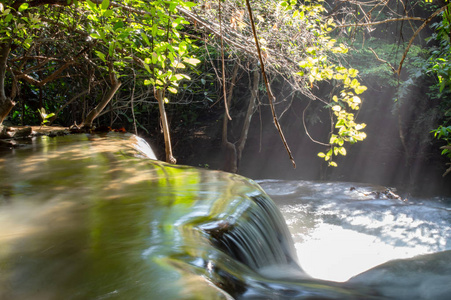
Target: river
(341,229)
(97,217)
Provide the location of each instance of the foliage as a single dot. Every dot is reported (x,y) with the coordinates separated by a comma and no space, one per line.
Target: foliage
(45,116)
(439,64)
(317,67)
(440,59)
(444,133)
(112,39)
(21,25)
(297,47)
(149,33)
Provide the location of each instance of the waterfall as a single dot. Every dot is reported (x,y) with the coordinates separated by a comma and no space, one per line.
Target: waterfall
(258,238)
(92,217)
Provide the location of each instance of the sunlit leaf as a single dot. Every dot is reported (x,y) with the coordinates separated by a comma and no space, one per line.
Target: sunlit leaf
(360,126)
(189,4)
(356,99)
(23,6)
(355,83)
(360,89)
(192,61)
(353,72)
(172,90)
(100,55)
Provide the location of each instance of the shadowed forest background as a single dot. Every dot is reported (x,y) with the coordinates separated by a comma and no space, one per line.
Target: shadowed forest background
(119,65)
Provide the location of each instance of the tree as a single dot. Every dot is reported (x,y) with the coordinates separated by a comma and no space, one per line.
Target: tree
(405,23)
(296,47)
(112,37)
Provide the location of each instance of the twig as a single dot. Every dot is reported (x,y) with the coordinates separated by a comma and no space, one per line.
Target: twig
(381,60)
(306,130)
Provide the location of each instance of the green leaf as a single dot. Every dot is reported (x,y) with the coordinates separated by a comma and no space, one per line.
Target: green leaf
(154,58)
(23,6)
(145,38)
(108,13)
(321,154)
(154,30)
(146,66)
(111,49)
(105,4)
(100,55)
(95,35)
(182,48)
(8,18)
(91,4)
(189,4)
(118,25)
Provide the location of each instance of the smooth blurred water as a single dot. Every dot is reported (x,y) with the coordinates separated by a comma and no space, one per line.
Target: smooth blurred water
(339,232)
(96,217)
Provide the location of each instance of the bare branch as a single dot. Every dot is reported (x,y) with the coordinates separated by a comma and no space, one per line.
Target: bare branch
(381,60)
(381,22)
(268,88)
(427,21)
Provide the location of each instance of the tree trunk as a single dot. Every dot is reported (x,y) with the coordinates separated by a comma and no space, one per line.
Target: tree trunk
(164,121)
(6,104)
(115,84)
(249,113)
(231,159)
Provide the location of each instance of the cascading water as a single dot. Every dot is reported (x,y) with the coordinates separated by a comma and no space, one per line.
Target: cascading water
(342,229)
(255,237)
(87,217)
(92,217)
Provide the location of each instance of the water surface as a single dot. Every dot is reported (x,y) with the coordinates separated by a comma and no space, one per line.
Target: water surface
(341,229)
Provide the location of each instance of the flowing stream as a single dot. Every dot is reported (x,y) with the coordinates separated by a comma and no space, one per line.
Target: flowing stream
(342,229)
(97,217)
